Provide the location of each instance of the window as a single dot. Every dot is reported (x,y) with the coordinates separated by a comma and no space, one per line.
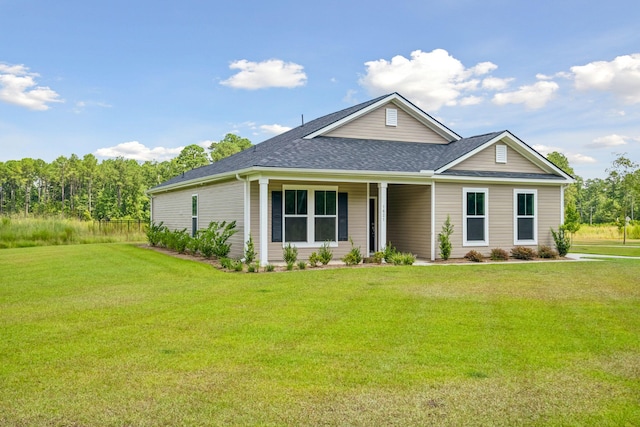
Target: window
(309,215)
(475,224)
(295,215)
(325,216)
(525,217)
(194,214)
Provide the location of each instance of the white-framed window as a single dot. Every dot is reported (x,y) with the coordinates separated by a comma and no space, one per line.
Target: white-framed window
(194,214)
(525,217)
(475,224)
(310,215)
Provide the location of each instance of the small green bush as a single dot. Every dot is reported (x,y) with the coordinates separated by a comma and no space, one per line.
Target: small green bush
(154,233)
(547,252)
(524,253)
(269,267)
(254,267)
(402,258)
(250,251)
(290,255)
(325,254)
(388,252)
(226,263)
(237,265)
(302,265)
(314,259)
(498,254)
(179,240)
(354,256)
(562,241)
(444,239)
(474,256)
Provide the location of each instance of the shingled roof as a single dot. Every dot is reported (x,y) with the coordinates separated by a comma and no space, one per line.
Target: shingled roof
(291,150)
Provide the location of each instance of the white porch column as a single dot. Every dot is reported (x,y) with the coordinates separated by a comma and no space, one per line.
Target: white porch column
(433,221)
(264,221)
(382,215)
(561,204)
(247,210)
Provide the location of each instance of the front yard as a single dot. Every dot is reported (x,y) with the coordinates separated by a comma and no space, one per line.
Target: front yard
(113,334)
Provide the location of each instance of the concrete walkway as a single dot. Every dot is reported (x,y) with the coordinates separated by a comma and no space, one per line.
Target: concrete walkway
(594,257)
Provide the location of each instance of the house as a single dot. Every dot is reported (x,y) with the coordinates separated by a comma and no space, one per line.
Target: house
(378,172)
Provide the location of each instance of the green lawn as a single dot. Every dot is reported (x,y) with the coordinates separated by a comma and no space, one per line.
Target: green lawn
(113,335)
(607,247)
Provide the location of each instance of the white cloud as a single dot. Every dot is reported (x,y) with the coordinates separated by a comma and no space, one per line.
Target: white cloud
(265,74)
(609,141)
(350,97)
(620,77)
(495,83)
(274,129)
(83,105)
(471,100)
(137,151)
(18,86)
(431,79)
(574,158)
(533,96)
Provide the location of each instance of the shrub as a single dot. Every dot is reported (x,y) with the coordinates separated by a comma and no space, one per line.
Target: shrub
(547,252)
(226,263)
(474,256)
(270,267)
(388,252)
(253,267)
(522,252)
(562,241)
(213,239)
(237,265)
(354,256)
(179,240)
(314,260)
(302,265)
(375,259)
(498,254)
(154,233)
(250,251)
(444,237)
(402,258)
(290,255)
(325,254)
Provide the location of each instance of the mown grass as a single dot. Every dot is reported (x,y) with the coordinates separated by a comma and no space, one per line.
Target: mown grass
(120,335)
(608,247)
(19,232)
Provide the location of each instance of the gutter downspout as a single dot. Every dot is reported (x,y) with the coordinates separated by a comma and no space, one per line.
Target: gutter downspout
(246,201)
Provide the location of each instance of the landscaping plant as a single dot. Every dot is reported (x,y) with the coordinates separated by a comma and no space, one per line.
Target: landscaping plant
(444,239)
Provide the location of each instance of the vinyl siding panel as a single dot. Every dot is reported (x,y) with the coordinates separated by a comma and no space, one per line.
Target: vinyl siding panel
(449,200)
(372,126)
(486,161)
(219,202)
(357,218)
(409,219)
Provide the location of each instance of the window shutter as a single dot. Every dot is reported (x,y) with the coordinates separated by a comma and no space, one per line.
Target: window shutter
(276,216)
(501,154)
(343,214)
(392,117)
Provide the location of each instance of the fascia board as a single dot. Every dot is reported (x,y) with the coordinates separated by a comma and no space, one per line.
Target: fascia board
(497,180)
(400,102)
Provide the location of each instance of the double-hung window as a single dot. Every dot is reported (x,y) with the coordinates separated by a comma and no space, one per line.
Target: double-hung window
(194,215)
(311,215)
(525,217)
(475,226)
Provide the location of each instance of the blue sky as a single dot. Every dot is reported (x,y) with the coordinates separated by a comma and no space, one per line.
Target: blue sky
(142,79)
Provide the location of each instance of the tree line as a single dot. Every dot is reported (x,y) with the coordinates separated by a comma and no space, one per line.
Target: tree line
(86,188)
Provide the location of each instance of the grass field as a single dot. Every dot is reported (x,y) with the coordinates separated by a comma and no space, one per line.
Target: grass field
(113,334)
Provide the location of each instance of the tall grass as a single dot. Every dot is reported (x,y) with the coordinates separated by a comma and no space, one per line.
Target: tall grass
(606,232)
(16,232)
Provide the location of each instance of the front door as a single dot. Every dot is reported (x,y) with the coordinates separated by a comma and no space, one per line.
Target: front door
(373,217)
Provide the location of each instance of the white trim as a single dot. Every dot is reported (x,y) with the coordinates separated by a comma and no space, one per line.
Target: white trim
(264,221)
(433,221)
(501,153)
(484,242)
(382,215)
(516,192)
(562,205)
(400,102)
(500,180)
(375,222)
(368,219)
(247,211)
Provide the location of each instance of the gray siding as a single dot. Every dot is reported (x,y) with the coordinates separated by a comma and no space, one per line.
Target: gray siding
(217,202)
(500,217)
(485,160)
(409,219)
(372,126)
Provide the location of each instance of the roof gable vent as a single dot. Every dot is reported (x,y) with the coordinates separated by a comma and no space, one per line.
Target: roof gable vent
(501,154)
(392,117)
